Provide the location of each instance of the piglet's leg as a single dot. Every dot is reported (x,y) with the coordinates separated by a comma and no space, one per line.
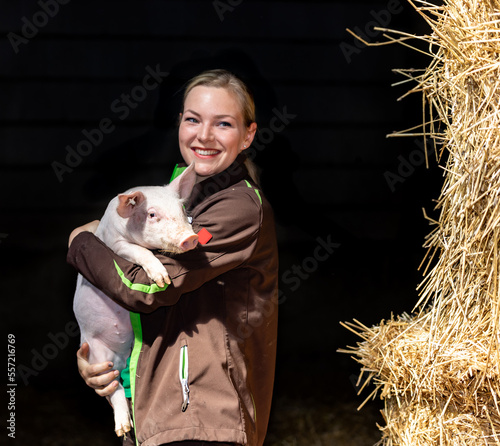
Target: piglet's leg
(145,258)
(100,352)
(123,421)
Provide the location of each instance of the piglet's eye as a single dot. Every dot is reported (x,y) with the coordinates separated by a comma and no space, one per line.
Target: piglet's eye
(152,215)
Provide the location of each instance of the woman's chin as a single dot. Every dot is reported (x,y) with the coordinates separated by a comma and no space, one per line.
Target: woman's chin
(203,170)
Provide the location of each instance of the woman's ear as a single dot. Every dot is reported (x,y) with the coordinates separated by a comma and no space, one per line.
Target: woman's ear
(251,129)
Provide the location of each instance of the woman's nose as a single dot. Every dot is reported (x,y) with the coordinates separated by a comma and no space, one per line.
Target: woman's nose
(205,133)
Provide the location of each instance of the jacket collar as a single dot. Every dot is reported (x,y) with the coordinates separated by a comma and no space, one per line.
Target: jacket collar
(236,172)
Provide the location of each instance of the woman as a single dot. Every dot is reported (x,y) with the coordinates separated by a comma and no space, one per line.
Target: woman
(220,310)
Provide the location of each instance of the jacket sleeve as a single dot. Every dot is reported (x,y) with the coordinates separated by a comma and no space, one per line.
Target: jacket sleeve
(232,219)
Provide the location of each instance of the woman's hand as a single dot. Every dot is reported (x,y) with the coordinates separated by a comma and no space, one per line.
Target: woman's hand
(98,376)
(91,227)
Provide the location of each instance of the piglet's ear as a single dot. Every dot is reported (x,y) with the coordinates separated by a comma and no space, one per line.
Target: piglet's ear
(185,182)
(128,203)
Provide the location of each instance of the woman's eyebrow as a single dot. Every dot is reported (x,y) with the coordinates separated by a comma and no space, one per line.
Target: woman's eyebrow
(216,116)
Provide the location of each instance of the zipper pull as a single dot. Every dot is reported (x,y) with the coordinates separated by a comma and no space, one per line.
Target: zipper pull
(183,377)
(185,398)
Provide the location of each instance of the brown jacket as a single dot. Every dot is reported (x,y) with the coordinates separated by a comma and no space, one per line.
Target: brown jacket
(204,355)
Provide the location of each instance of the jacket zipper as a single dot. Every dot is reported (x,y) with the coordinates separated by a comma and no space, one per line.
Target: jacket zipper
(183,376)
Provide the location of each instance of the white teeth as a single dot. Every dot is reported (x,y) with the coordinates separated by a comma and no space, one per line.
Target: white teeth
(206,152)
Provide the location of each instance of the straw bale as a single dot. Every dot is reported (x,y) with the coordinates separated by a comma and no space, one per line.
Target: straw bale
(438,368)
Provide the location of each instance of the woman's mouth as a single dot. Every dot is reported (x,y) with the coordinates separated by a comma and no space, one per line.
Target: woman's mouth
(205,152)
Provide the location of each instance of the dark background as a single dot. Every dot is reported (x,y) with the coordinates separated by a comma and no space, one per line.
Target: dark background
(325,173)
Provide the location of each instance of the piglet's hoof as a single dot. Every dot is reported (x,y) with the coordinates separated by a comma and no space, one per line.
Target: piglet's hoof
(122,431)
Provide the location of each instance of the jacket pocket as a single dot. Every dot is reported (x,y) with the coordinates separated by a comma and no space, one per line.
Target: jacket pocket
(184,376)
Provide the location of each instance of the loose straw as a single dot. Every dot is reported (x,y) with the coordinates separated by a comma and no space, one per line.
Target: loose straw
(437,369)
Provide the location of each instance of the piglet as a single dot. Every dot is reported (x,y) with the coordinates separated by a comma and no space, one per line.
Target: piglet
(141,219)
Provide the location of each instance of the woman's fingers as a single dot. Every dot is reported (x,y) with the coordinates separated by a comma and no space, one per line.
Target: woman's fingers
(109,389)
(100,376)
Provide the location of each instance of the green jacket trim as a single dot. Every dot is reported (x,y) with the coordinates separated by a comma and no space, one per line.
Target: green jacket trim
(177,171)
(148,289)
(129,372)
(135,320)
(256,191)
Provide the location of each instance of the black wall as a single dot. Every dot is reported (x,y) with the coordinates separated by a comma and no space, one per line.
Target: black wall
(325,105)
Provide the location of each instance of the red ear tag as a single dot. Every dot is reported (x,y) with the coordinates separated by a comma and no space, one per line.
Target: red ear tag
(204,236)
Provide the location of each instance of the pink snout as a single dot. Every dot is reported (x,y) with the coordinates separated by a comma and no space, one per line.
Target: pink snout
(189,243)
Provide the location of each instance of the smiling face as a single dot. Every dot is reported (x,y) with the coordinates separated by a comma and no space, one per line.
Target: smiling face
(212,131)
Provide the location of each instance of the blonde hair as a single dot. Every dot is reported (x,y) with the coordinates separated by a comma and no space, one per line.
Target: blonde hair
(220,78)
(225,79)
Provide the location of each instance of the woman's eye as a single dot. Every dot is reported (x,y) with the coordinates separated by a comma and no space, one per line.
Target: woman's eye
(194,120)
(225,124)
